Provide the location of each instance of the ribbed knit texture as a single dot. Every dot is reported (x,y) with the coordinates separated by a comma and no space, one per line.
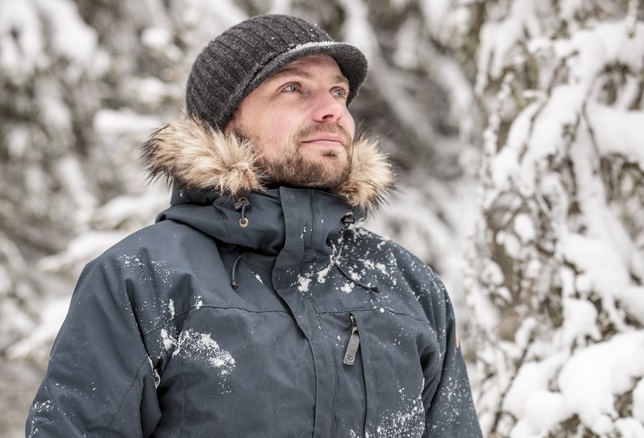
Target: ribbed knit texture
(236,62)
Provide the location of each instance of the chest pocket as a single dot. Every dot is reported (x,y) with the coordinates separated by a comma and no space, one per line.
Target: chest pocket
(380,358)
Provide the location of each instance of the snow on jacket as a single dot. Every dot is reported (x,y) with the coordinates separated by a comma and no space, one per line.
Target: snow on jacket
(254,312)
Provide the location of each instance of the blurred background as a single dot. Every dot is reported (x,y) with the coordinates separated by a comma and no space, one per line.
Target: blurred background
(517,130)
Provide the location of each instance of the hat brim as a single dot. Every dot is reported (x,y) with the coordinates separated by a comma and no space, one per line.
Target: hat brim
(350,59)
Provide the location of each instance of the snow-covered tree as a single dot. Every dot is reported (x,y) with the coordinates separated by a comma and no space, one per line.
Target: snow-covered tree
(48,62)
(556,268)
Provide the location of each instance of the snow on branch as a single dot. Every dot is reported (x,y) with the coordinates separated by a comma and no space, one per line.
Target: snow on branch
(561,224)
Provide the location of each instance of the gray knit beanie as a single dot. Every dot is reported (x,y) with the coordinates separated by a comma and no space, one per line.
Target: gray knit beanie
(244,56)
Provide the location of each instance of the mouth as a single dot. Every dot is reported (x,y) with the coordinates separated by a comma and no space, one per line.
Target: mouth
(325,141)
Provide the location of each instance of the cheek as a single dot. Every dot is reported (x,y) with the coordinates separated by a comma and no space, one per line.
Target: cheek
(350,125)
(272,136)
(261,128)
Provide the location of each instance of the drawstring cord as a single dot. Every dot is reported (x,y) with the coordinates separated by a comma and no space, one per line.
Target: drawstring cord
(235,285)
(233,279)
(349,220)
(241,204)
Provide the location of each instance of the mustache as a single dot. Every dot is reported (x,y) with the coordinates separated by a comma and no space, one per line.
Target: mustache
(310,131)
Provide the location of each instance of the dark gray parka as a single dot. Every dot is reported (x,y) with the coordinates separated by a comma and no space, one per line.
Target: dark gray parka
(252,312)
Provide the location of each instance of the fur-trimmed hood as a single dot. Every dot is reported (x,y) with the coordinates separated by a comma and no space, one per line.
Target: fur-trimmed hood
(192,155)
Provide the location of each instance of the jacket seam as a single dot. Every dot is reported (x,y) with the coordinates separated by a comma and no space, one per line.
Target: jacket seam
(371,308)
(210,306)
(336,371)
(129,388)
(370,383)
(183,398)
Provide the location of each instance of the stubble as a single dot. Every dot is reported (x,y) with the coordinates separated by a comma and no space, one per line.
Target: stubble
(326,172)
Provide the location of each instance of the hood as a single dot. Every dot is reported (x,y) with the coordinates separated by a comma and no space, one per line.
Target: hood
(194,156)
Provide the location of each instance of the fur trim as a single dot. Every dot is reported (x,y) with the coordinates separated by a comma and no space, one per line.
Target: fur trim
(371,177)
(191,154)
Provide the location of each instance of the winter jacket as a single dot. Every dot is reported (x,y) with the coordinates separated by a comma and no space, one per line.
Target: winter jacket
(247,311)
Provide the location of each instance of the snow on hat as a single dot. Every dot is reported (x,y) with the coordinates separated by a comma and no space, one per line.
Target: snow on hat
(236,62)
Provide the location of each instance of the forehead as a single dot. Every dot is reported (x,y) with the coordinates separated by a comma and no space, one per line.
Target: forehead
(312,63)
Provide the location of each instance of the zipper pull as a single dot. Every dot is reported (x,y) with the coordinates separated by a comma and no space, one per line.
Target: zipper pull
(354,343)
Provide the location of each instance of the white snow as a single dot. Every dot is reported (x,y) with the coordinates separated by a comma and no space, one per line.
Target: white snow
(576,368)
(303,283)
(22,54)
(116,122)
(36,346)
(200,348)
(591,379)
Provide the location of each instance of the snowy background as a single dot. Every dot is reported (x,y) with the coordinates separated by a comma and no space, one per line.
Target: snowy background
(517,127)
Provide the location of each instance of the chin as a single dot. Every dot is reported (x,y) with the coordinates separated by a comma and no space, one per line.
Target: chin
(313,154)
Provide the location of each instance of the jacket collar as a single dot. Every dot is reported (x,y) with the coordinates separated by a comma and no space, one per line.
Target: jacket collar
(295,220)
(202,161)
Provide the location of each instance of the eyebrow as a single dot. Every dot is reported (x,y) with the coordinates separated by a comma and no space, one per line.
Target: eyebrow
(295,71)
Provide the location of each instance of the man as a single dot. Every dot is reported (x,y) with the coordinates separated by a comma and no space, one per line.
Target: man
(256,306)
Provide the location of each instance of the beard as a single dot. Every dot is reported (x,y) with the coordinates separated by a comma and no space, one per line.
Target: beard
(327,171)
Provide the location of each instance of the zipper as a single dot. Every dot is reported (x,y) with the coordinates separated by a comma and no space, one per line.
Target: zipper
(354,343)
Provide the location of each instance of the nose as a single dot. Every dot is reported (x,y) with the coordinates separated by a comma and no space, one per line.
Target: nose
(328,108)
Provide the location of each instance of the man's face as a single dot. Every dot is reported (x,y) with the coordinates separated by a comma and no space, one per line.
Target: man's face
(299,123)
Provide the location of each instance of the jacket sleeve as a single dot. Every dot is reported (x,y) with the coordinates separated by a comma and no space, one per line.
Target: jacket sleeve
(99,381)
(451,411)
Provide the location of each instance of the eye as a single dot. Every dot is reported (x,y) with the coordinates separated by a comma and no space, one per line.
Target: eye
(341,92)
(292,88)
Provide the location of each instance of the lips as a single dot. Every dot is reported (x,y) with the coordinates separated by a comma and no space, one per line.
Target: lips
(328,140)
(324,143)
(331,137)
